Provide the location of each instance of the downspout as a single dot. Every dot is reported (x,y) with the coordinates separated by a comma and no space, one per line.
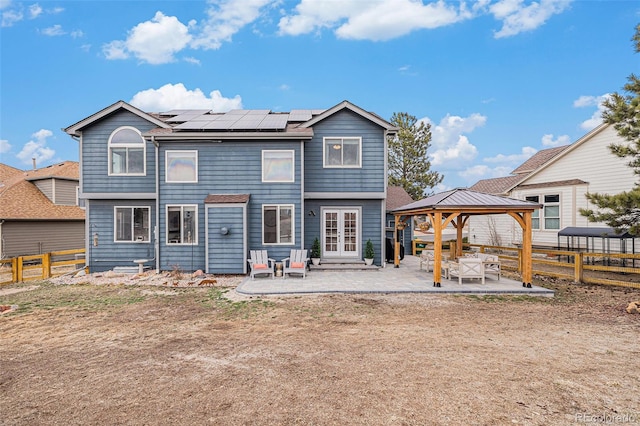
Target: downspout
(156,240)
(302,205)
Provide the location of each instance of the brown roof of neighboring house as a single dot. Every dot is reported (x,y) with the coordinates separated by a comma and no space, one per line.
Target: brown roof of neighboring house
(396,197)
(538,159)
(496,186)
(20,198)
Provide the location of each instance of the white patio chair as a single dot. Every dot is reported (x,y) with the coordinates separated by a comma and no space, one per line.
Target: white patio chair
(467,267)
(296,263)
(260,263)
(491,264)
(426,258)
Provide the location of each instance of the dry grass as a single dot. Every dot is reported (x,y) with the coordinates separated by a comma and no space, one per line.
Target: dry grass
(130,354)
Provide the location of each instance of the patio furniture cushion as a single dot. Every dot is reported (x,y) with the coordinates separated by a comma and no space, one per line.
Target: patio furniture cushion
(260,263)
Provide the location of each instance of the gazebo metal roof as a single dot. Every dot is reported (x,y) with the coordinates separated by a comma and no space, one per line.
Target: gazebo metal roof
(466,200)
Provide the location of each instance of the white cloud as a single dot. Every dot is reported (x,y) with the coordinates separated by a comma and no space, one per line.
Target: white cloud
(226,18)
(155,41)
(590,101)
(37,148)
(34,11)
(54,31)
(549,141)
(518,17)
(461,152)
(447,132)
(371,20)
(10,17)
(77,34)
(191,60)
(5,146)
(176,96)
(525,154)
(4,4)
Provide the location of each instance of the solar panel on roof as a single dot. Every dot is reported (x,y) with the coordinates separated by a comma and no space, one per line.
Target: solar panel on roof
(248,122)
(300,115)
(274,121)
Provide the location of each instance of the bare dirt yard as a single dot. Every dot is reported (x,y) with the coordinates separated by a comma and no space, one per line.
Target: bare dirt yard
(135,354)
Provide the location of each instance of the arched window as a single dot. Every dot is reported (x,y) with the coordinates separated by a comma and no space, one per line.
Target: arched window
(127,151)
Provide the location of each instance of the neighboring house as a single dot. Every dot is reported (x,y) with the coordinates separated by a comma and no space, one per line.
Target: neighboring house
(193,189)
(558,179)
(39,211)
(398,197)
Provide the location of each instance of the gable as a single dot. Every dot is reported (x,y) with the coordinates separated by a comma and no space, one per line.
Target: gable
(588,160)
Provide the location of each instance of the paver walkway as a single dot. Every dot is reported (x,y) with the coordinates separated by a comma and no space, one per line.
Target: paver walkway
(408,278)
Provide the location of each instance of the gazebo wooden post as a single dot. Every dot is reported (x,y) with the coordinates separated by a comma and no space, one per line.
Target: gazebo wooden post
(436,221)
(526,250)
(396,243)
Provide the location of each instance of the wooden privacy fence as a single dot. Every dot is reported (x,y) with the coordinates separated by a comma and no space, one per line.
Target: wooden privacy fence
(619,269)
(40,266)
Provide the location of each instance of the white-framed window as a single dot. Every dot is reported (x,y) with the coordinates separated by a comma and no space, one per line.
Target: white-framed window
(550,217)
(535,216)
(181,166)
(278,224)
(127,152)
(342,152)
(131,224)
(278,165)
(551,210)
(182,224)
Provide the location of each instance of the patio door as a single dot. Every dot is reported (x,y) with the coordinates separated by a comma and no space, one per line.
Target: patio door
(340,236)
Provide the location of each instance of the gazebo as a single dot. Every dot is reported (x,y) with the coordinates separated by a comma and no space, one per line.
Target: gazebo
(456,207)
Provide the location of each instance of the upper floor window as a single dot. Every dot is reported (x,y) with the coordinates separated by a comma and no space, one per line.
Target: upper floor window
(342,152)
(127,152)
(550,211)
(132,224)
(277,166)
(181,166)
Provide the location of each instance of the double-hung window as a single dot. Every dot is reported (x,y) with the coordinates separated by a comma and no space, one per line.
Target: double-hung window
(277,224)
(131,224)
(127,151)
(535,216)
(182,224)
(182,166)
(550,211)
(342,152)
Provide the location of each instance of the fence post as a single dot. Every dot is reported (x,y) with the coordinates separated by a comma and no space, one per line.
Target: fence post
(46,265)
(19,270)
(14,269)
(520,260)
(578,267)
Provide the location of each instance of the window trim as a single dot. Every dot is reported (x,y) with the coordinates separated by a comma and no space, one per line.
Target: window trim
(341,166)
(181,151)
(110,147)
(293,165)
(166,219)
(544,212)
(115,225)
(539,214)
(293,225)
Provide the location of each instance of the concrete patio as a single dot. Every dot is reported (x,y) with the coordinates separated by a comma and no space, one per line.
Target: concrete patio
(406,279)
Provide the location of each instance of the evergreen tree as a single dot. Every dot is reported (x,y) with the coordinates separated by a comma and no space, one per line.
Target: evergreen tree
(409,165)
(622,111)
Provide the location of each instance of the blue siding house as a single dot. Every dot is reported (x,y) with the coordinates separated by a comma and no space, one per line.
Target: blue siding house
(194,189)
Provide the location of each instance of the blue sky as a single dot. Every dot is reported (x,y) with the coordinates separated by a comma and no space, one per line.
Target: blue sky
(498,80)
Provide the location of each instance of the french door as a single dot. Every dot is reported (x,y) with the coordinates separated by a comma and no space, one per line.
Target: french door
(340,236)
